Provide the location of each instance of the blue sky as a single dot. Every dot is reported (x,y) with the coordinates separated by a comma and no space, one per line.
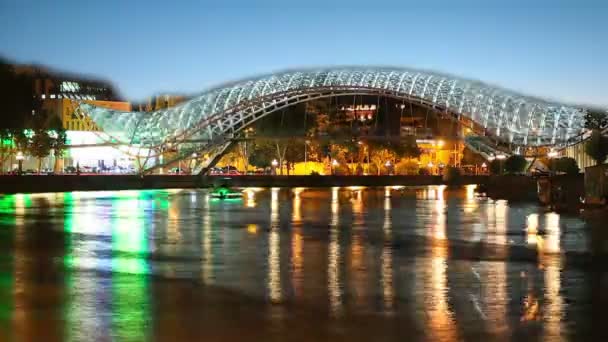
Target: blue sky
(554,49)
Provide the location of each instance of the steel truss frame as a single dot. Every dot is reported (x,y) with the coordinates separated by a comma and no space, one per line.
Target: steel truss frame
(209,122)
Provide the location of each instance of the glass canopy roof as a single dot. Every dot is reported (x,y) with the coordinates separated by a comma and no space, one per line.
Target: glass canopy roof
(505,115)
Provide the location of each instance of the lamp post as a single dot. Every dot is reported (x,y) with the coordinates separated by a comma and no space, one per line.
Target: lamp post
(20,158)
(552,155)
(274,164)
(334,163)
(501,158)
(193,162)
(306,142)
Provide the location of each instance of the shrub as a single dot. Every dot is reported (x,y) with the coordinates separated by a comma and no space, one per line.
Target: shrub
(566,165)
(515,164)
(596,147)
(314,173)
(451,174)
(407,167)
(495,167)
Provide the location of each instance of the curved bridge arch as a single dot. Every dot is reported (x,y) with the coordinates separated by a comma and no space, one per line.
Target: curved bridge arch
(209,120)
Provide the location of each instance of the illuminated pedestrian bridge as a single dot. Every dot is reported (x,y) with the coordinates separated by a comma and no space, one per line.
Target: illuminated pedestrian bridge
(209,120)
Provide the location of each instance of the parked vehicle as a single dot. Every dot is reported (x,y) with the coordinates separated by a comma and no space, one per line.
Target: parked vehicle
(216,171)
(177,171)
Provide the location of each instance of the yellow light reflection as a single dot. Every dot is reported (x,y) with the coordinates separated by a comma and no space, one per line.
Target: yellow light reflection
(174,234)
(297,261)
(274,251)
(297,204)
(532,229)
(250,197)
(470,204)
(207,264)
(274,207)
(551,242)
(335,206)
(440,213)
(495,296)
(497,226)
(386,275)
(553,311)
(440,322)
(252,228)
(334,286)
(20,318)
(274,266)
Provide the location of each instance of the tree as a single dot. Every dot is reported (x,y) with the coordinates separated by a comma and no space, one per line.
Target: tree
(407,167)
(595,119)
(566,165)
(388,151)
(293,153)
(495,167)
(243,150)
(515,164)
(41,145)
(262,154)
(382,152)
(7,146)
(59,140)
(596,147)
(409,149)
(281,127)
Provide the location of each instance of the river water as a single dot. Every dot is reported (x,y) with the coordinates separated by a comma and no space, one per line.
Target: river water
(303,264)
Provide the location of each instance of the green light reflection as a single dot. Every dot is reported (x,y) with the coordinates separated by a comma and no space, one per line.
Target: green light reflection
(130,301)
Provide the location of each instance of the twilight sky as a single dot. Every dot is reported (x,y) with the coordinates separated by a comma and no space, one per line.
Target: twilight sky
(556,49)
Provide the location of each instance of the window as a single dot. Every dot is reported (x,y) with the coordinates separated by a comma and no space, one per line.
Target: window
(52,96)
(43,96)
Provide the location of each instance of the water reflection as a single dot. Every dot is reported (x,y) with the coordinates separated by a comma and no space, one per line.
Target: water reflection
(407,254)
(387,257)
(333,263)
(274,249)
(207,259)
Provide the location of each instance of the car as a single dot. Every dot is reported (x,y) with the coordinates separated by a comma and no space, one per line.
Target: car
(216,171)
(177,171)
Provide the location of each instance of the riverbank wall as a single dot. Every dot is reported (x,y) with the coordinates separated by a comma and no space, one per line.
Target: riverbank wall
(596,185)
(501,187)
(62,183)
(563,192)
(511,187)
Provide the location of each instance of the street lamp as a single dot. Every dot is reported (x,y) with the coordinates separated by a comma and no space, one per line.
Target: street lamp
(501,157)
(274,164)
(388,166)
(552,154)
(20,158)
(334,163)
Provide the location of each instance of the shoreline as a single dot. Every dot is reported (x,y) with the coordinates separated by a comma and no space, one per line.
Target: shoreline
(66,183)
(509,187)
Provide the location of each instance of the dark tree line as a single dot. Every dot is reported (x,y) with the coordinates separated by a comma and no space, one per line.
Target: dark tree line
(24,126)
